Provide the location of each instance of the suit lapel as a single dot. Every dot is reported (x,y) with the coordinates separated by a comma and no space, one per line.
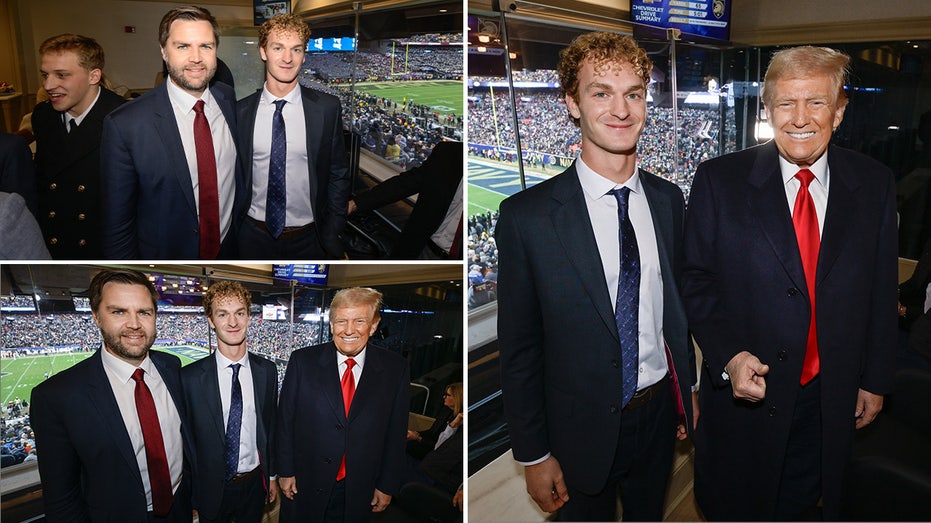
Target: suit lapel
(313,119)
(247,130)
(661,212)
(211,388)
(101,397)
(573,227)
(766,200)
(841,207)
(369,384)
(259,384)
(330,380)
(167,129)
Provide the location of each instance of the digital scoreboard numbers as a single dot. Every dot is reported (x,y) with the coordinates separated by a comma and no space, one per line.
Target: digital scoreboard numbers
(707,18)
(332,44)
(314,273)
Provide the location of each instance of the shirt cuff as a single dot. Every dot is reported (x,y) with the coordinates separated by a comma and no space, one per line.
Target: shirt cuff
(536,461)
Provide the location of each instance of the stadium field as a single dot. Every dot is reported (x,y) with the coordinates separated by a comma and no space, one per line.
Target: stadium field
(491,182)
(20,375)
(443,96)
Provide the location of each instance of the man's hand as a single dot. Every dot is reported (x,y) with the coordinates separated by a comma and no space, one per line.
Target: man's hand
(747,376)
(352,207)
(380,501)
(288,486)
(272,491)
(457,500)
(868,407)
(546,485)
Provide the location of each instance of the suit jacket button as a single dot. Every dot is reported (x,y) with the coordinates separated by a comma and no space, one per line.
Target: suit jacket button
(53,186)
(83,242)
(772,411)
(319,491)
(82,216)
(613,409)
(81,188)
(339,426)
(792,292)
(782,355)
(615,364)
(51,214)
(53,241)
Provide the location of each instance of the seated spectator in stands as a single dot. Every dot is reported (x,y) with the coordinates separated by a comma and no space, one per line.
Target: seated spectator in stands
(434,229)
(435,455)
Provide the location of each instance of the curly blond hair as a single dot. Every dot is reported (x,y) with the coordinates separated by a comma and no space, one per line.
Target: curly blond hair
(284,24)
(603,50)
(226,289)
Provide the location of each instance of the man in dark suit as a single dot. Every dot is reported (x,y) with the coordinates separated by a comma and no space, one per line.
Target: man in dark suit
(342,419)
(592,406)
(17,172)
(431,229)
(67,128)
(170,178)
(113,445)
(231,397)
(297,171)
(790,278)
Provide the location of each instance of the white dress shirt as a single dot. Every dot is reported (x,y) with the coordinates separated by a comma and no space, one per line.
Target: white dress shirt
(356,370)
(297,178)
(80,118)
(248,449)
(602,209)
(445,235)
(120,375)
(818,188)
(224,148)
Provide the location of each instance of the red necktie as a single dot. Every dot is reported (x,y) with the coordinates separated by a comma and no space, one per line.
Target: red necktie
(348,384)
(207,186)
(155,457)
(809,244)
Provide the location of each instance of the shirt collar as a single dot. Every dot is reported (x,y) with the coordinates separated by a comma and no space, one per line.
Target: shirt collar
(183,100)
(819,169)
(293,97)
(80,118)
(359,358)
(596,185)
(123,370)
(224,362)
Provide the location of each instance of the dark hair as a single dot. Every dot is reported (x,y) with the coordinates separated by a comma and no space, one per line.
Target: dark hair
(190,13)
(90,54)
(125,276)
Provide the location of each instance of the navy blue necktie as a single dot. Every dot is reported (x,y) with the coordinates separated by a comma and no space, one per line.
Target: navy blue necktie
(233,424)
(277,198)
(627,305)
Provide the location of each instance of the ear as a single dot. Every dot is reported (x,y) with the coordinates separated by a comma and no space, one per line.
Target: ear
(164,55)
(94,76)
(573,107)
(210,322)
(262,54)
(373,328)
(96,319)
(839,112)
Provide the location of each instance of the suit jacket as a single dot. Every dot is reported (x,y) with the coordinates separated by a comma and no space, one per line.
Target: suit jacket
(205,418)
(68,174)
(560,350)
(327,162)
(744,289)
(17,172)
(314,432)
(444,464)
(148,198)
(436,182)
(22,239)
(88,467)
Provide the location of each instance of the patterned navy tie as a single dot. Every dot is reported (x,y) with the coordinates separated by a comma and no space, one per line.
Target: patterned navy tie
(627,305)
(276,199)
(233,424)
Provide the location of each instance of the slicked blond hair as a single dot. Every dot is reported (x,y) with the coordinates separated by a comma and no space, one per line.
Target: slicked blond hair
(803,62)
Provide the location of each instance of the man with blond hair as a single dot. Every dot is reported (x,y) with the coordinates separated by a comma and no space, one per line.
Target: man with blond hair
(291,141)
(790,289)
(342,419)
(231,398)
(67,128)
(595,359)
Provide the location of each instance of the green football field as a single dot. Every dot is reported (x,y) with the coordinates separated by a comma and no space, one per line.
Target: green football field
(444,96)
(482,200)
(20,375)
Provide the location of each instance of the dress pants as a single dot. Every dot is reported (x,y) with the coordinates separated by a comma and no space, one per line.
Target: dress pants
(257,244)
(336,505)
(243,501)
(800,486)
(641,468)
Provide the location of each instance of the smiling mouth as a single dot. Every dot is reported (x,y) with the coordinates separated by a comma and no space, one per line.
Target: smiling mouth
(801,136)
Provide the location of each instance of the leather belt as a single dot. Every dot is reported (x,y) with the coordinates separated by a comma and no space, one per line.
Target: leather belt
(289,233)
(643,396)
(436,250)
(242,476)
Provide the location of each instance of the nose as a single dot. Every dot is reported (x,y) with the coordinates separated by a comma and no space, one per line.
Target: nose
(48,82)
(800,115)
(288,56)
(195,54)
(132,321)
(620,108)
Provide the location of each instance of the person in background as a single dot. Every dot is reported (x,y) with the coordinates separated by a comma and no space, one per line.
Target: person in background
(790,288)
(68,128)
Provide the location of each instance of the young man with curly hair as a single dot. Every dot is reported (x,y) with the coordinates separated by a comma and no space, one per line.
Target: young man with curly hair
(595,359)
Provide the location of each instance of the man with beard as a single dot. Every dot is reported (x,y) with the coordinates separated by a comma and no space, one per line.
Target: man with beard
(170,180)
(231,397)
(110,427)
